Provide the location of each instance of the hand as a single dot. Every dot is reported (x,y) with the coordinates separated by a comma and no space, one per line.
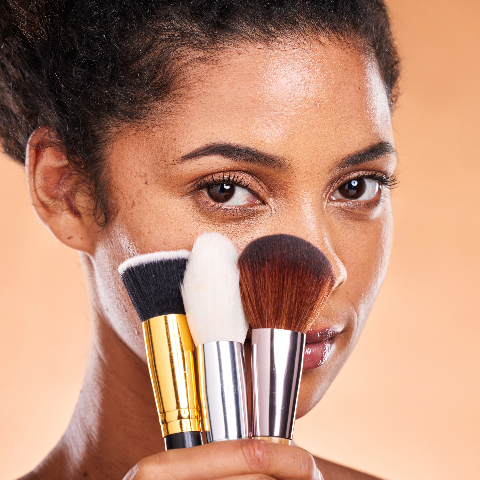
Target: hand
(231,460)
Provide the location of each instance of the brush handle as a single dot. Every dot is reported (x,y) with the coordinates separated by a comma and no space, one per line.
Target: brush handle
(277,361)
(170,354)
(223,390)
(282,441)
(183,440)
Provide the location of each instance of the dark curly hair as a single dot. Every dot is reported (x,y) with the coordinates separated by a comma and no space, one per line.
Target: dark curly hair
(83,68)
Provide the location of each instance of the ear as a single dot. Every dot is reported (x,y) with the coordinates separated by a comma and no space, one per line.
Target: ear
(58,194)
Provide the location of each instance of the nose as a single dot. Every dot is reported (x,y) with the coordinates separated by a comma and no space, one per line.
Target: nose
(310,225)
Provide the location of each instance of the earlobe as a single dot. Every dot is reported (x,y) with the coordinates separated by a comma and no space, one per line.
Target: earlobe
(57,193)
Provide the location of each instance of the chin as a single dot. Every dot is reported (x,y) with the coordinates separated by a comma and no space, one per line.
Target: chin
(317,381)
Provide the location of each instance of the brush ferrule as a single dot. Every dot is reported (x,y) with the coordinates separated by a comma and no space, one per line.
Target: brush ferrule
(170,353)
(223,390)
(277,361)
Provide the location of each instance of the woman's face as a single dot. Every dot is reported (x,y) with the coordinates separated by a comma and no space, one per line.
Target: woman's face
(288,139)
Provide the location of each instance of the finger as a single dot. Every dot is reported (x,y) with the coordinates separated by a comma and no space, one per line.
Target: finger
(253,476)
(131,473)
(232,458)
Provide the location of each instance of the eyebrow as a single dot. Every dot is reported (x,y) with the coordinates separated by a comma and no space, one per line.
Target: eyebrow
(367,155)
(239,153)
(250,155)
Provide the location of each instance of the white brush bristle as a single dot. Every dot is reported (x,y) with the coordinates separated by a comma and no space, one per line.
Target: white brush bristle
(211,293)
(152,257)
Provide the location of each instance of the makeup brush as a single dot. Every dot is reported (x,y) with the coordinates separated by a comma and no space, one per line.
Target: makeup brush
(215,316)
(153,282)
(284,282)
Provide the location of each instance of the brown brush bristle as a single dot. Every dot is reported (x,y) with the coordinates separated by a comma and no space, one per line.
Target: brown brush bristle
(284,282)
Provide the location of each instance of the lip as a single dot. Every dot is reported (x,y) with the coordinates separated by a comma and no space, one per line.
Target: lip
(319,344)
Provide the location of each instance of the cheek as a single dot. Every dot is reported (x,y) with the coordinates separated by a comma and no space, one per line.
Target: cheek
(364,248)
(110,298)
(376,257)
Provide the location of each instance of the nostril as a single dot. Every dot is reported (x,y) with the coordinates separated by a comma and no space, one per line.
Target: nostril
(340,272)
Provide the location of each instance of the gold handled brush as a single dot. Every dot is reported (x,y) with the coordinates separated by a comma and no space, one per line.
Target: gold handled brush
(153,282)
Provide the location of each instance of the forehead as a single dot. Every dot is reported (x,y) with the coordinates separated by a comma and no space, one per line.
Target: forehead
(284,95)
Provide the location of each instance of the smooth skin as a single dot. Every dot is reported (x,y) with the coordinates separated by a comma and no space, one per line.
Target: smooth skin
(281,128)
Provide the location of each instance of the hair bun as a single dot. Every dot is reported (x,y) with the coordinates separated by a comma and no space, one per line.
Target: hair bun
(6,21)
(28,17)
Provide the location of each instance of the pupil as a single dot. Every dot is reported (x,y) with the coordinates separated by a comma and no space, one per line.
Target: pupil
(353,189)
(221,193)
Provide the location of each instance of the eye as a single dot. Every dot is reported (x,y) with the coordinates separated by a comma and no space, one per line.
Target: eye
(230,194)
(360,189)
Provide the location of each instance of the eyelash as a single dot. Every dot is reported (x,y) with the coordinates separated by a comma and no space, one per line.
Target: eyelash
(229,178)
(385,180)
(388,181)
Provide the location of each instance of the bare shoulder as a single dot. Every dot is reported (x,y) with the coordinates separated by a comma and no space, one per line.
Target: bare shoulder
(33,475)
(334,471)
(29,476)
(52,467)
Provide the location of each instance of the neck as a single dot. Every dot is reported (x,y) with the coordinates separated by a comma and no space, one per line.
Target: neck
(115,422)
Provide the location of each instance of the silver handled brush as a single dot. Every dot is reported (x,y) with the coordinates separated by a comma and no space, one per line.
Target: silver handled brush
(216,320)
(284,282)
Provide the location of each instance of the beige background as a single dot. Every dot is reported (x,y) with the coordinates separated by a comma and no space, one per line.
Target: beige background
(406,406)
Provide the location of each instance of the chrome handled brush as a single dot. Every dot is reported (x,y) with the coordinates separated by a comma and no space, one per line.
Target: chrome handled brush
(215,316)
(284,282)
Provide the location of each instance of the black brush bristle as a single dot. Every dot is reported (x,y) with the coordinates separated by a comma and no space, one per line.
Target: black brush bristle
(154,287)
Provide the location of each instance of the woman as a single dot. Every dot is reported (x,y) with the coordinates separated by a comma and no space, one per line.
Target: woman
(144,124)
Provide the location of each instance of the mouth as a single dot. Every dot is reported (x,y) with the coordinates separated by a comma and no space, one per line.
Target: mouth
(318,347)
